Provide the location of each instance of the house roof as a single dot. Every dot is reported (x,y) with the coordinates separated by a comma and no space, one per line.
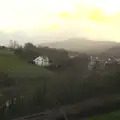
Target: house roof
(44,57)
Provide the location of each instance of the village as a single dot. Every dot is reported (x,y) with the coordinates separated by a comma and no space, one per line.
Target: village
(110,63)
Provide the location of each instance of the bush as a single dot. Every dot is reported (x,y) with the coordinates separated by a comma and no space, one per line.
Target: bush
(5,80)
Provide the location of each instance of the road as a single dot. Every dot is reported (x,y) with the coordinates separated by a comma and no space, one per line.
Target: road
(52,114)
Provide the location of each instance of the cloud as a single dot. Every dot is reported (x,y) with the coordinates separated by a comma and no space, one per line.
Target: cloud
(61,18)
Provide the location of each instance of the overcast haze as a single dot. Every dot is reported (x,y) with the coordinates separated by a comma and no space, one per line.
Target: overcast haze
(50,20)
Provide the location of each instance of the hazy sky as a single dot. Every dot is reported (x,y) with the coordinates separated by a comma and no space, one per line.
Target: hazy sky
(39,20)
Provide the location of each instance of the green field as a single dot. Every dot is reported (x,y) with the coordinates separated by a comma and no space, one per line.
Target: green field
(16,66)
(27,75)
(109,116)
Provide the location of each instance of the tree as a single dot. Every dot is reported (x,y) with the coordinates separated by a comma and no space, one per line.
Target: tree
(13,44)
(29,46)
(19,51)
(29,52)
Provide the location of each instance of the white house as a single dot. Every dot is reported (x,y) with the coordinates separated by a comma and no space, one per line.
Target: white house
(42,61)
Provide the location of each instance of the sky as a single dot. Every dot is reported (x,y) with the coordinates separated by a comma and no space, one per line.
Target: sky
(51,20)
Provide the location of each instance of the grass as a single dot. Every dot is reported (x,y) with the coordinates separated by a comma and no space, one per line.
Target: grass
(109,116)
(28,76)
(97,107)
(6,51)
(16,66)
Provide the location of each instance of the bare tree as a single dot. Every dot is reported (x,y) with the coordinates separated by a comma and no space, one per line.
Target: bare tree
(13,44)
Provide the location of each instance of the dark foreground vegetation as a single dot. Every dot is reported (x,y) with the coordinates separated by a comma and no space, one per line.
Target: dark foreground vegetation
(26,88)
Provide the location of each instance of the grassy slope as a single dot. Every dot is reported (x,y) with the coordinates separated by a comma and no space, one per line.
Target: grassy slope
(18,67)
(110,116)
(25,74)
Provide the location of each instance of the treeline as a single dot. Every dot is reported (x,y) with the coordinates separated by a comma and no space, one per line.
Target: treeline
(30,52)
(69,88)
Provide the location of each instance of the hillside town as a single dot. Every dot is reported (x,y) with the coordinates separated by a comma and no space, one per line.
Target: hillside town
(102,64)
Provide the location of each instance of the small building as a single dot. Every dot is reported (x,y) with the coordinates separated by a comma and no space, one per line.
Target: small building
(118,60)
(73,54)
(96,64)
(42,61)
(92,63)
(111,64)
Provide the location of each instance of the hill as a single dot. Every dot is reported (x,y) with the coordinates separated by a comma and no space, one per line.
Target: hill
(114,51)
(83,45)
(16,66)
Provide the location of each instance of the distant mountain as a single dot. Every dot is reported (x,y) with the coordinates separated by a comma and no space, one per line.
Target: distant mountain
(114,51)
(83,45)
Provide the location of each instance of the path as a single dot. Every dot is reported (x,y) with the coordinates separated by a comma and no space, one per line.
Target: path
(52,114)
